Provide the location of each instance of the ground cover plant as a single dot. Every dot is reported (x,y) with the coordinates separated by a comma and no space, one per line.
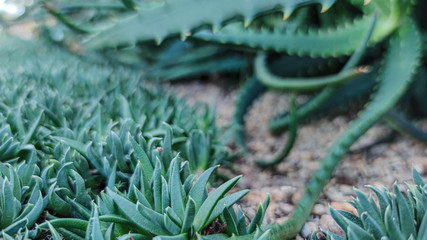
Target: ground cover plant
(90,153)
(394,217)
(339,51)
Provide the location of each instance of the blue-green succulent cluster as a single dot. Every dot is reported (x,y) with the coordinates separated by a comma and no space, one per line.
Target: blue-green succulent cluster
(88,151)
(390,216)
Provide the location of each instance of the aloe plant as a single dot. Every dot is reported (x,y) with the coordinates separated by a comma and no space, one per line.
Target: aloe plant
(180,17)
(391,216)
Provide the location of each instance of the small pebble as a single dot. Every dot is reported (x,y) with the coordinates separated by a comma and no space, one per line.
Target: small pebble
(298,237)
(281,220)
(347,189)
(344,206)
(287,208)
(319,209)
(308,229)
(328,223)
(420,163)
(297,196)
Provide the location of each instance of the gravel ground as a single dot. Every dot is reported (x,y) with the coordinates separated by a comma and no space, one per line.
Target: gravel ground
(381,165)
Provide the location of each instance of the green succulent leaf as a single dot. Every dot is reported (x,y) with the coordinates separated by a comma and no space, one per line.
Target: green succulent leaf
(406,217)
(55,234)
(140,154)
(208,206)
(190,213)
(198,192)
(259,216)
(94,228)
(131,213)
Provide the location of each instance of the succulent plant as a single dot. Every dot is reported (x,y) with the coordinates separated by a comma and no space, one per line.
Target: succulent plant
(9,146)
(159,203)
(94,228)
(102,156)
(96,122)
(236,222)
(388,216)
(20,205)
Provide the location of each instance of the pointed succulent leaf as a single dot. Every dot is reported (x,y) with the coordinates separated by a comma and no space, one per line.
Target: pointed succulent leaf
(227,201)
(418,180)
(372,226)
(94,227)
(53,232)
(208,206)
(177,191)
(406,217)
(141,155)
(392,225)
(422,234)
(259,216)
(190,213)
(197,192)
(230,221)
(131,213)
(182,236)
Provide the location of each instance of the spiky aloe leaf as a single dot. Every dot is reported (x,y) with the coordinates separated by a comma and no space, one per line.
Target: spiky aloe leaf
(343,40)
(182,16)
(395,79)
(247,95)
(253,88)
(301,84)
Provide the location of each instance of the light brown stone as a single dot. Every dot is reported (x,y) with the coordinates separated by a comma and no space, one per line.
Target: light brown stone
(328,223)
(344,206)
